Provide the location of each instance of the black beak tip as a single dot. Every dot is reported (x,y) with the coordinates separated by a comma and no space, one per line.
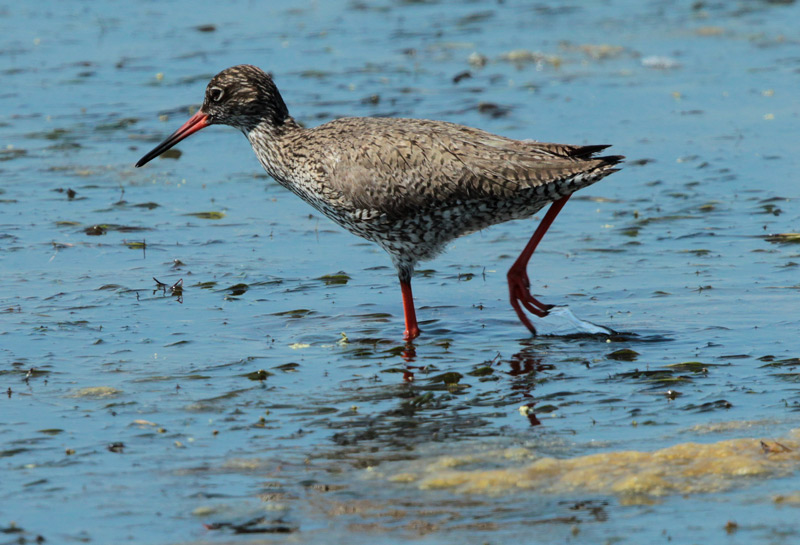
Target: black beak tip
(144,160)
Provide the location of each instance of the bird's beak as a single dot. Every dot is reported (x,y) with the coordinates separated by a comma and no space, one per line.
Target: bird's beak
(196,122)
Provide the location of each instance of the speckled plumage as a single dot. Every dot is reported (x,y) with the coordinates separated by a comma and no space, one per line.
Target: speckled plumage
(410,185)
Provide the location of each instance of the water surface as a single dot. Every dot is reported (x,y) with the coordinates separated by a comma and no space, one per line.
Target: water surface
(270,398)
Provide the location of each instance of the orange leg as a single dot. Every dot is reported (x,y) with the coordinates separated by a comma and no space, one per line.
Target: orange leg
(412,329)
(518,282)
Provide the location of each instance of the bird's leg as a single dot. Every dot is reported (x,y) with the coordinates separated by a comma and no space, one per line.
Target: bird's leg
(412,329)
(518,282)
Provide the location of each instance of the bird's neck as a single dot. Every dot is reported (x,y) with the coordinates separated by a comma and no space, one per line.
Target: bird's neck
(268,129)
(270,142)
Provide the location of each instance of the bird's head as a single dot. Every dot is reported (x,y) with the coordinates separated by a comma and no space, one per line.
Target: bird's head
(242,96)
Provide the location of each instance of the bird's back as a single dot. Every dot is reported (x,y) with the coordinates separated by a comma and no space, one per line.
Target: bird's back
(399,166)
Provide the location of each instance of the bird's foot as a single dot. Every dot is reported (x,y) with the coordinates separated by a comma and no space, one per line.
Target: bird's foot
(521,298)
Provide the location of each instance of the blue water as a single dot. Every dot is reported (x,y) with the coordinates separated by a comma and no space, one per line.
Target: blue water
(671,250)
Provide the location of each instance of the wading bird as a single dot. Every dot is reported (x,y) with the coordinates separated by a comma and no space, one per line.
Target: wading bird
(409,185)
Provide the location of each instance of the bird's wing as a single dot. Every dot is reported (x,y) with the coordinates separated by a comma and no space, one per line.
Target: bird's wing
(415,164)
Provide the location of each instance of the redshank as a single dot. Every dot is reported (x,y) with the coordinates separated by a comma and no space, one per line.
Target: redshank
(409,185)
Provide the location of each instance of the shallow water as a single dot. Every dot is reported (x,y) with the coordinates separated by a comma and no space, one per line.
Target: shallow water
(133,414)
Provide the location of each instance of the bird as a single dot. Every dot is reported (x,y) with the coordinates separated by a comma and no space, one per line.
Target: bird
(409,185)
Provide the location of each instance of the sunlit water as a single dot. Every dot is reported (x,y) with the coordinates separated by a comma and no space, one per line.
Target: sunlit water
(131,414)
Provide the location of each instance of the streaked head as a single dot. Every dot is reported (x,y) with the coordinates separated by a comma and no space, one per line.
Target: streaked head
(242,96)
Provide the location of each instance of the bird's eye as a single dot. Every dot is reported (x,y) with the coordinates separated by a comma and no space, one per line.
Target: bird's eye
(215,93)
